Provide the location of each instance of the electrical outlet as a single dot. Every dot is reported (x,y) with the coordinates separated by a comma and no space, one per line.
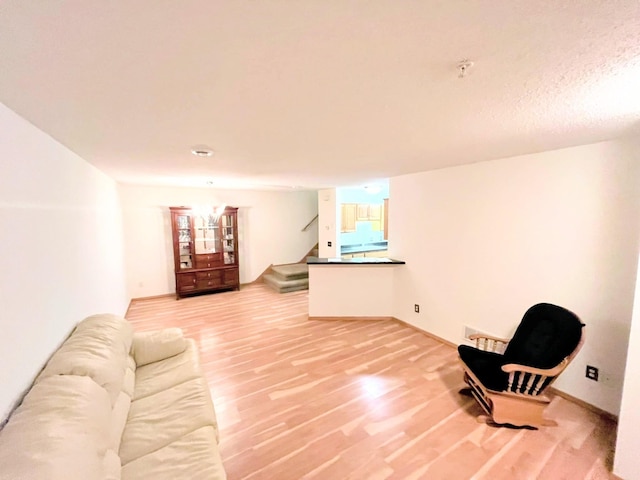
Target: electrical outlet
(592,373)
(328,244)
(416,308)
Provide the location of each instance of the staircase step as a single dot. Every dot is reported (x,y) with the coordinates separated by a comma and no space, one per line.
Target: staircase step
(284,286)
(291,271)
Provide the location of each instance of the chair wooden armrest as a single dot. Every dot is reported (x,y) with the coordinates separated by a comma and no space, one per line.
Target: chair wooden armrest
(489,343)
(548,372)
(538,378)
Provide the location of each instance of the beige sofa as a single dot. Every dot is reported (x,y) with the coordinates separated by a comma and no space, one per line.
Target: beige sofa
(111,404)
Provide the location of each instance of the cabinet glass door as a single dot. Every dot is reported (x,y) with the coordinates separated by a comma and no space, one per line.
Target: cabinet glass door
(228,239)
(184,241)
(207,231)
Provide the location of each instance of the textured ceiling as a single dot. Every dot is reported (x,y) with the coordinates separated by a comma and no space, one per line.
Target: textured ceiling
(317,93)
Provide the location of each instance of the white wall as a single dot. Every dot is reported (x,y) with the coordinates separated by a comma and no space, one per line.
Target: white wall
(61,249)
(328,207)
(483,242)
(269,225)
(627,461)
(361,195)
(351,290)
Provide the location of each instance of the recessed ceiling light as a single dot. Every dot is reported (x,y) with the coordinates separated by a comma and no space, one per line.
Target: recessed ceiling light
(202,151)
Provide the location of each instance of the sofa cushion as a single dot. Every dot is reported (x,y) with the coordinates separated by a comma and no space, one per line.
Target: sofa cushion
(157,376)
(112,467)
(149,347)
(109,322)
(160,419)
(97,348)
(194,455)
(60,431)
(129,383)
(119,416)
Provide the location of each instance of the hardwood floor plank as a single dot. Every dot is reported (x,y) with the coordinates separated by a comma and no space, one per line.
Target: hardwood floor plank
(358,399)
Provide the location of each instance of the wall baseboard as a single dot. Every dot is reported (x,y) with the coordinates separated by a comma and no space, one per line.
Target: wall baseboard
(131,302)
(582,403)
(151,297)
(428,334)
(350,318)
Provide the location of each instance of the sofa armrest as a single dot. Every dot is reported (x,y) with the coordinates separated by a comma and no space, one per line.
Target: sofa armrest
(149,347)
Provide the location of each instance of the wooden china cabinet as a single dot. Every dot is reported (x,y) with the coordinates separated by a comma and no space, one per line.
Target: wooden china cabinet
(205,250)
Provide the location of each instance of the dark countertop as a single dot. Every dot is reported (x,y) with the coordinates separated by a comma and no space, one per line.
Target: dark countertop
(353,261)
(364,247)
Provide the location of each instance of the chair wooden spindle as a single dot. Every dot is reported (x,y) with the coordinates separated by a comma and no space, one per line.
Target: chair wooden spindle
(539,384)
(532,378)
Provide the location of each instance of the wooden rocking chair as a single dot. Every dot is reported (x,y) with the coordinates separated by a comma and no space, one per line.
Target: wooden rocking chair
(508,378)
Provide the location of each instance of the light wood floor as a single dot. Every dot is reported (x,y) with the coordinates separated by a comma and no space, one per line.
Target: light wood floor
(340,400)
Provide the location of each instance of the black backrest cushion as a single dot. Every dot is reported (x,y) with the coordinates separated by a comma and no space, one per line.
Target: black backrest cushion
(547,334)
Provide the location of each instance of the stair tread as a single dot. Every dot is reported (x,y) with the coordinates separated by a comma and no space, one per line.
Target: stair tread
(278,281)
(284,286)
(292,269)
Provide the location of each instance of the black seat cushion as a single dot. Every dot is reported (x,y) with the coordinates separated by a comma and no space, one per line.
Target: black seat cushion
(546,335)
(487,366)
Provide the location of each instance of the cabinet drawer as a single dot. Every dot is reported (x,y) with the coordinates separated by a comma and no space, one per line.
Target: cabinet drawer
(210,283)
(209,260)
(211,275)
(186,282)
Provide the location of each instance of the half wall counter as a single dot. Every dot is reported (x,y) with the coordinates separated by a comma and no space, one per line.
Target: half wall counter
(351,288)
